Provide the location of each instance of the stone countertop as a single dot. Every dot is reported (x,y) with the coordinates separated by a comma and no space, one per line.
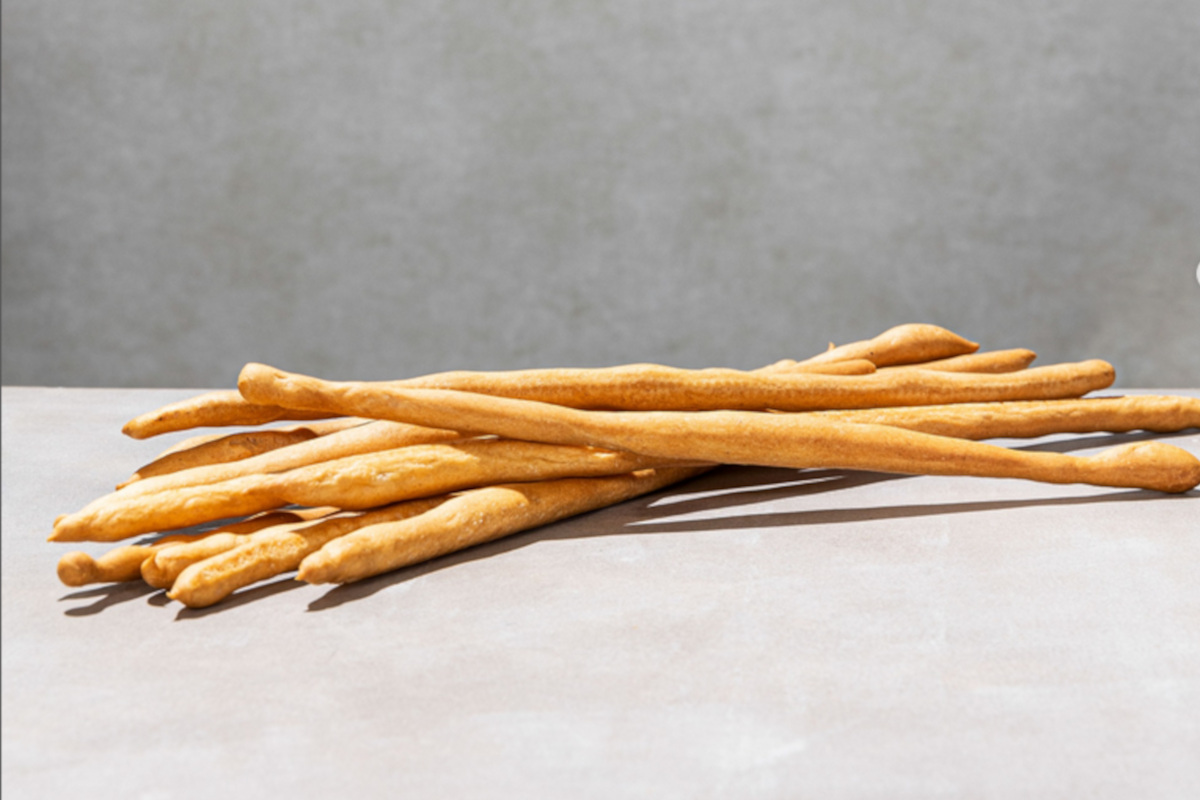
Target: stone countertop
(753,633)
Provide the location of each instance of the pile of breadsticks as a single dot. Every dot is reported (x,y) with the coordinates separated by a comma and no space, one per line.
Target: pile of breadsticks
(371,477)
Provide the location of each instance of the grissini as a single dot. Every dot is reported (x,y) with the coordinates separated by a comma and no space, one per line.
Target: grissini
(273,551)
(226,408)
(1012,360)
(640,388)
(854,366)
(202,451)
(1027,418)
(210,409)
(903,344)
(356,482)
(117,565)
(731,437)
(474,517)
(369,437)
(218,538)
(163,568)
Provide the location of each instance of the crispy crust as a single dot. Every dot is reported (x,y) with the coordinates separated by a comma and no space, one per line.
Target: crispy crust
(1022,419)
(473,517)
(202,451)
(356,482)
(641,388)
(161,570)
(369,437)
(276,550)
(991,361)
(733,437)
(211,409)
(903,344)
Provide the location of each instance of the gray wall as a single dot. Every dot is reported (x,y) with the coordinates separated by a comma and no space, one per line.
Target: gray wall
(381,189)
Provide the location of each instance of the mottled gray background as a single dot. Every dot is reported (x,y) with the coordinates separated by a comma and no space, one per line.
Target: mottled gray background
(382,189)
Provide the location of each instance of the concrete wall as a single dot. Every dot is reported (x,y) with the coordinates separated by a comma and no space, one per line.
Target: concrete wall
(381,189)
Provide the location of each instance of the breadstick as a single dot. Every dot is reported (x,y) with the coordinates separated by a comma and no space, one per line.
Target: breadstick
(276,550)
(165,564)
(356,482)
(644,389)
(211,409)
(733,437)
(474,517)
(225,448)
(855,366)
(1022,419)
(991,361)
(225,408)
(643,386)
(370,437)
(903,344)
(117,565)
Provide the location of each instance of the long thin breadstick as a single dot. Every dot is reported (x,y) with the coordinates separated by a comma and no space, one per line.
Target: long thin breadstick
(211,409)
(370,437)
(903,344)
(784,440)
(276,550)
(226,448)
(1021,419)
(855,366)
(223,408)
(165,565)
(662,388)
(356,482)
(473,517)
(226,408)
(991,361)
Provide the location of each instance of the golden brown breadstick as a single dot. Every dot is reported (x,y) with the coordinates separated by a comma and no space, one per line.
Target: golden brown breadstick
(276,550)
(117,565)
(226,448)
(903,344)
(733,437)
(854,366)
(474,517)
(644,389)
(370,437)
(356,482)
(646,386)
(211,409)
(990,361)
(1021,419)
(224,408)
(165,564)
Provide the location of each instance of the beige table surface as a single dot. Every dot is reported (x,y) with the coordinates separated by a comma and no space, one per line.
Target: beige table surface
(756,633)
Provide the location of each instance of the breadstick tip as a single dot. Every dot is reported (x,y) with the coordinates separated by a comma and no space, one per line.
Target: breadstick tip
(1154,465)
(66,530)
(254,377)
(317,568)
(77,569)
(925,329)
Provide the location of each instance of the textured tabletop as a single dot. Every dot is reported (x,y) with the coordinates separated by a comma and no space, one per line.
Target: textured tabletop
(755,633)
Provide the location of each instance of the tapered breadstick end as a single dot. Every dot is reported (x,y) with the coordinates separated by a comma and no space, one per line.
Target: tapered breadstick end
(258,381)
(314,573)
(67,529)
(77,569)
(1150,465)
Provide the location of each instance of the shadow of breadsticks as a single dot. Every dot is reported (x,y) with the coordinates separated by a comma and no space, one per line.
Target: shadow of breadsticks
(242,597)
(836,516)
(108,595)
(647,515)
